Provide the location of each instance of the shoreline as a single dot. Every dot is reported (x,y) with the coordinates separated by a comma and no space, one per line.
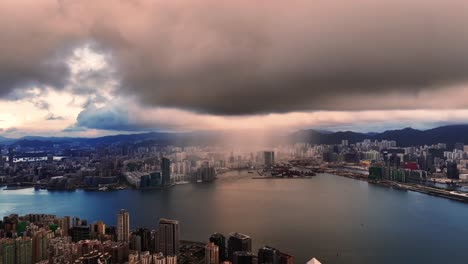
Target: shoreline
(451,195)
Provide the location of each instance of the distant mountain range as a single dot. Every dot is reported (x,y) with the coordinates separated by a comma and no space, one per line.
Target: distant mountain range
(404,137)
(192,138)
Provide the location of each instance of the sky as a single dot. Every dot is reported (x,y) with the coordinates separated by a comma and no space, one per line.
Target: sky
(92,68)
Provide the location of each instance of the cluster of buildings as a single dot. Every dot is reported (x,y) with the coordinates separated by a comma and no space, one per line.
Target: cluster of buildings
(41,238)
(237,249)
(387,161)
(44,238)
(120,165)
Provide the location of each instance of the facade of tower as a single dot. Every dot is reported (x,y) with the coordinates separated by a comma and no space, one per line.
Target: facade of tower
(166,171)
(269,158)
(220,241)
(123,226)
(268,255)
(40,244)
(10,157)
(244,257)
(8,248)
(238,242)
(23,250)
(211,253)
(168,237)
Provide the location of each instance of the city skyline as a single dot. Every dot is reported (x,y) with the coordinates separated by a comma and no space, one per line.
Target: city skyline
(193,132)
(47,238)
(218,65)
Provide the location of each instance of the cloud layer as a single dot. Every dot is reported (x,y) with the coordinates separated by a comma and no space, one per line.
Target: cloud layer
(247,57)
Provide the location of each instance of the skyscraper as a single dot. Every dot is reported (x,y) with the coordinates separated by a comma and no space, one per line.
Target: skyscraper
(8,248)
(238,242)
(64,224)
(98,229)
(1,157)
(40,244)
(123,226)
(220,241)
(166,171)
(243,257)
(452,170)
(286,258)
(23,250)
(269,158)
(211,254)
(168,237)
(10,157)
(268,255)
(80,233)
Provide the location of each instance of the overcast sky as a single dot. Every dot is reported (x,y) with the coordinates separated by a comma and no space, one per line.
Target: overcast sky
(89,68)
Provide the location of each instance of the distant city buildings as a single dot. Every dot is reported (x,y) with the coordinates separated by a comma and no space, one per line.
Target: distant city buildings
(269,158)
(166,171)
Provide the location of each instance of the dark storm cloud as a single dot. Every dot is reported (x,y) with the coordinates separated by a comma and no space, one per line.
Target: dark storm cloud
(34,40)
(245,57)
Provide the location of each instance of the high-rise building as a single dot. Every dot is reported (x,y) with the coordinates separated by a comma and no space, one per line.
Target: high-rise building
(64,224)
(40,244)
(268,158)
(286,258)
(220,241)
(465,148)
(145,236)
(238,242)
(1,157)
(98,229)
(452,170)
(243,257)
(268,255)
(166,171)
(168,237)
(8,248)
(118,250)
(135,242)
(23,250)
(80,233)
(211,254)
(123,226)
(10,157)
